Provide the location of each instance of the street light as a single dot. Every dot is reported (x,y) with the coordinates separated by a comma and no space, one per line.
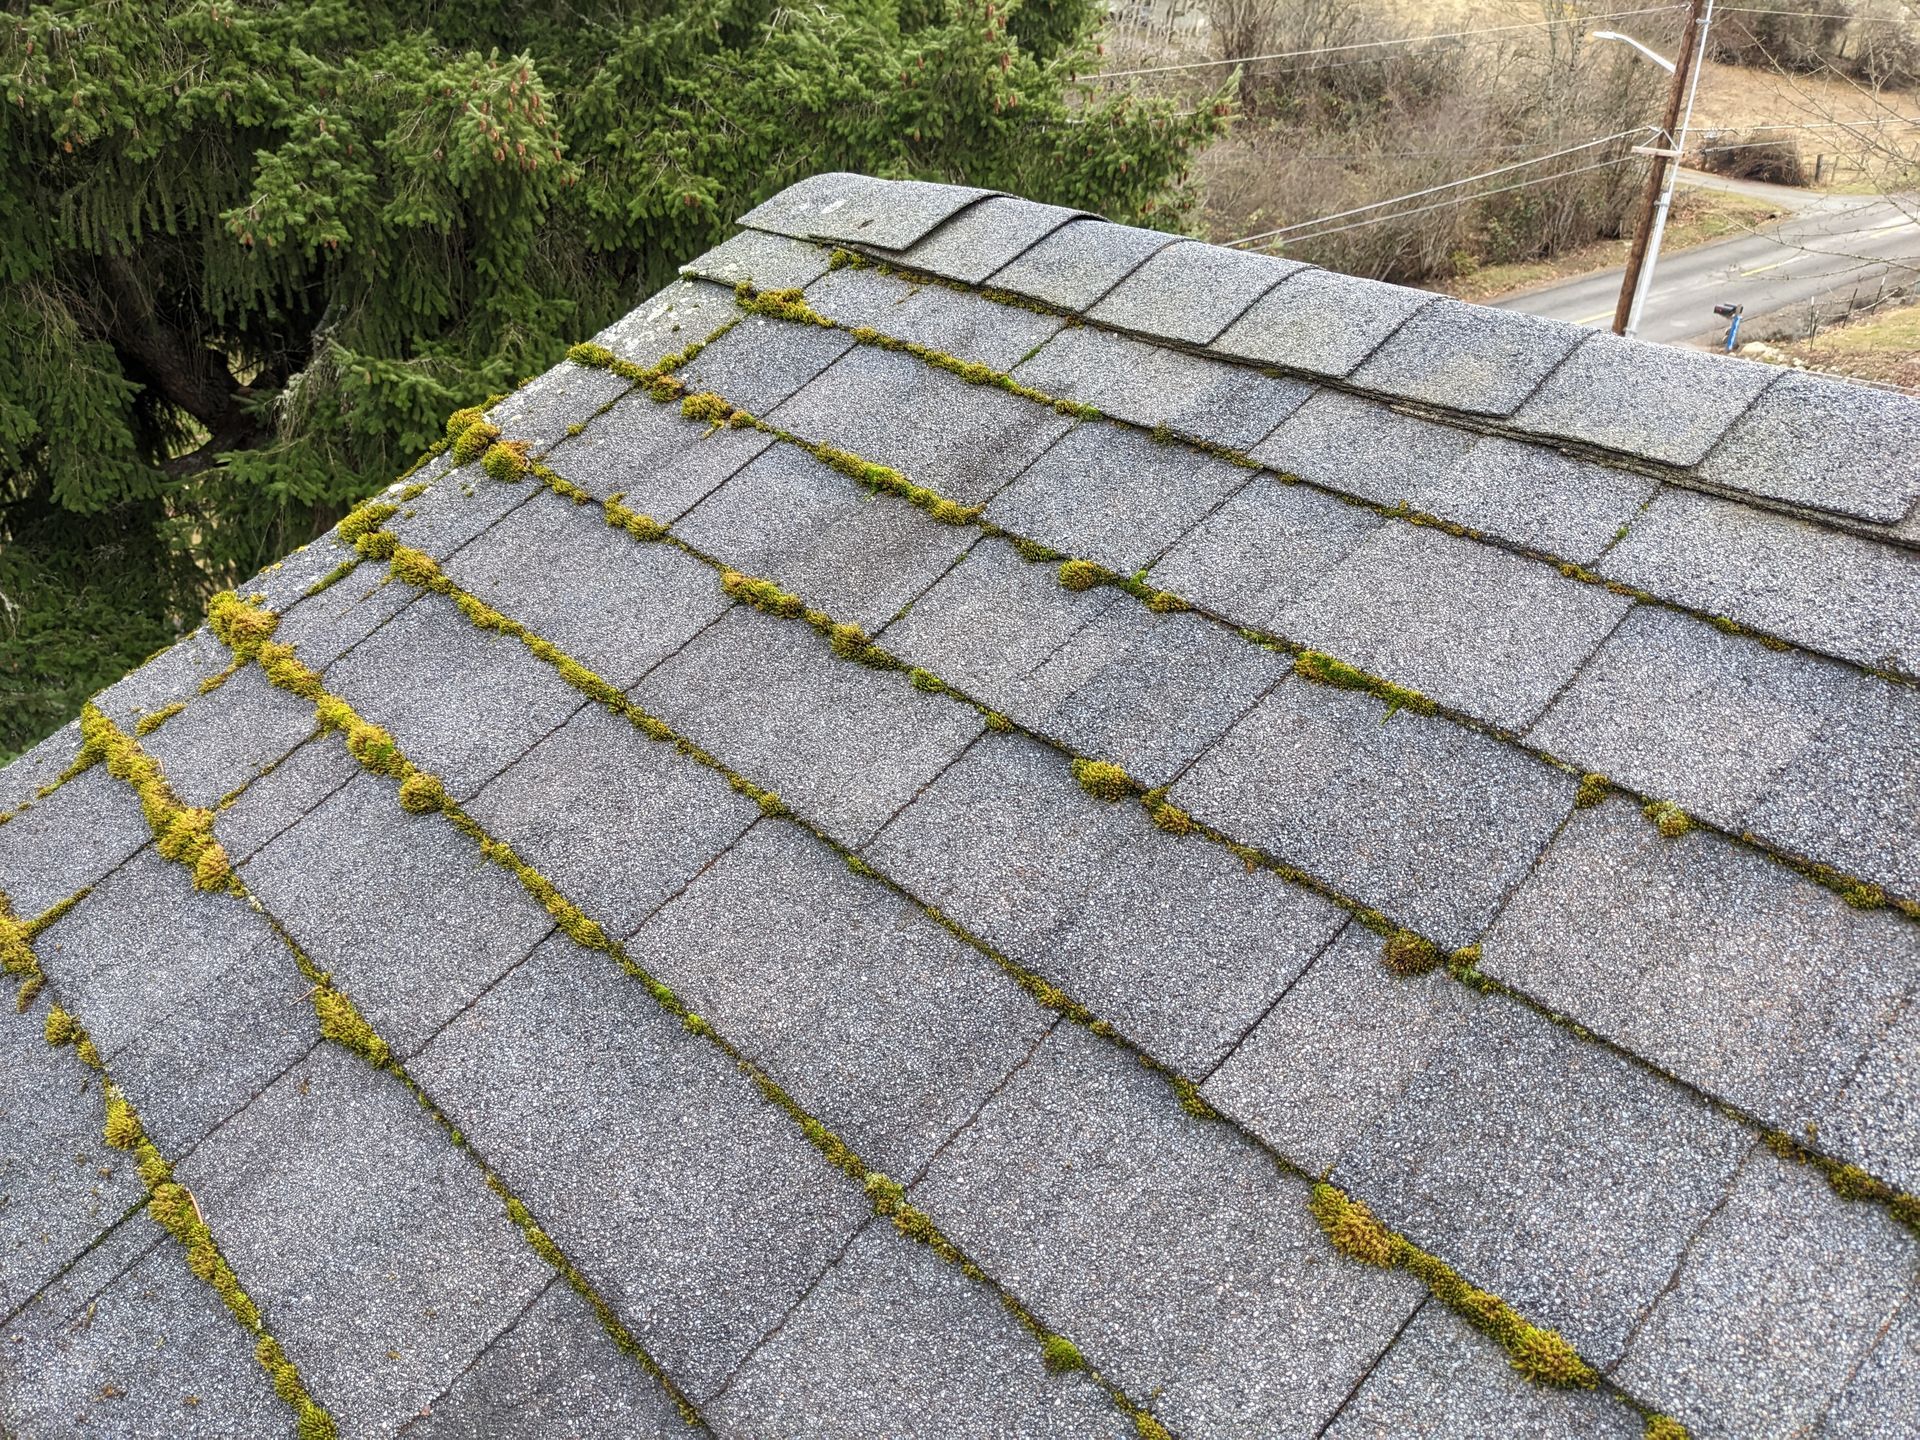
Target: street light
(1693,50)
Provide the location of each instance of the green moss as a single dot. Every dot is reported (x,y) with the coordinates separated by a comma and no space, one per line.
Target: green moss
(1406,953)
(1351,1228)
(1594,788)
(1668,818)
(587,353)
(422,794)
(474,441)
(342,1023)
(779,304)
(641,527)
(1165,602)
(1082,575)
(1148,1428)
(998,723)
(182,833)
(926,680)
(331,578)
(123,1130)
(149,723)
(413,567)
(706,407)
(364,520)
(1663,1427)
(1033,550)
(1102,779)
(241,627)
(506,461)
(1060,1355)
(763,595)
(1325,669)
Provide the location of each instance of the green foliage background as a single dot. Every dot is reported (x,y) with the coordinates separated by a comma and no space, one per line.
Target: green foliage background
(252,252)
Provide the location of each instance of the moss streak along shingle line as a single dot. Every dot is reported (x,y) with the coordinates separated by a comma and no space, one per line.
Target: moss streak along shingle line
(1523,1341)
(421,793)
(799,312)
(246,630)
(170,1204)
(714,410)
(1404,951)
(1685,477)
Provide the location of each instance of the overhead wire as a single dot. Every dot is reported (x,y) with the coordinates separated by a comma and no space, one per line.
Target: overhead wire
(1453,184)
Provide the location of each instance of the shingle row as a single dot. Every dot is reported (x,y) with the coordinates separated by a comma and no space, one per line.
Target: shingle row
(1749,429)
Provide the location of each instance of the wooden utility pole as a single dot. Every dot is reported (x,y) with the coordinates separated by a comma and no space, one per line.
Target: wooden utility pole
(1667,153)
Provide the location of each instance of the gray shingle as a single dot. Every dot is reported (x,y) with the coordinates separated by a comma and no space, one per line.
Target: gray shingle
(543,409)
(1095,671)
(69,841)
(1360,447)
(1826,589)
(282,795)
(895,1342)
(1421,818)
(1530,495)
(876,1020)
(1149,385)
(555,1375)
(1263,550)
(1851,795)
(410,919)
(617,606)
(1605,1169)
(460,701)
(660,462)
(1080,262)
(1619,393)
(60,1186)
(1884,1393)
(1680,710)
(40,766)
(1173,940)
(1114,496)
(282,584)
(128,1344)
(858,554)
(223,739)
(1177,1256)
(686,313)
(1468,358)
(368,1237)
(1444,1380)
(445,516)
(1477,628)
(684,1196)
(984,237)
(1876,1118)
(953,322)
(843,744)
(887,214)
(1814,441)
(1781,1296)
(965,441)
(329,624)
(760,362)
(770,262)
(191,998)
(1321,322)
(619,822)
(1730,971)
(1190,292)
(1336,1050)
(173,674)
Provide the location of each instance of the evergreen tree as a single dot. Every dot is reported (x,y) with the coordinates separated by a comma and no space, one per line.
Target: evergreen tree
(252,252)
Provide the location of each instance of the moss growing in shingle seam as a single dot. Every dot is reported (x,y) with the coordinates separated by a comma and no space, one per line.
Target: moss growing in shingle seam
(173,1208)
(1668,818)
(1103,779)
(1407,953)
(1324,669)
(1848,1181)
(181,832)
(506,461)
(1539,1354)
(1664,1427)
(153,720)
(331,578)
(1082,575)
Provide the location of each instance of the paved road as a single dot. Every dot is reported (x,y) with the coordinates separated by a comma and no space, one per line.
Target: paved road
(1836,244)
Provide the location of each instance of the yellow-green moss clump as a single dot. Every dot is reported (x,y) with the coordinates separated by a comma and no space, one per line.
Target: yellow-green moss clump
(1668,818)
(1102,779)
(1082,575)
(1542,1355)
(342,1023)
(640,527)
(1406,953)
(505,461)
(470,433)
(1593,789)
(422,794)
(1326,669)
(762,595)
(1061,1355)
(181,832)
(1664,1427)
(151,722)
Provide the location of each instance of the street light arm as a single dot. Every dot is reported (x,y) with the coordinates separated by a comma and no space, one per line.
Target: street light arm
(1658,59)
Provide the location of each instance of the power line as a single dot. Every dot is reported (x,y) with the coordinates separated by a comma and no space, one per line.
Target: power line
(1452,184)
(1463,199)
(1378,44)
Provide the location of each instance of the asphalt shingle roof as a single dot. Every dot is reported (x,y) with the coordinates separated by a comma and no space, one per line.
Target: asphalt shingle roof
(1024,829)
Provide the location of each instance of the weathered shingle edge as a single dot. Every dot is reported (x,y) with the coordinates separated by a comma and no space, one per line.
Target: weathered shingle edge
(1904,532)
